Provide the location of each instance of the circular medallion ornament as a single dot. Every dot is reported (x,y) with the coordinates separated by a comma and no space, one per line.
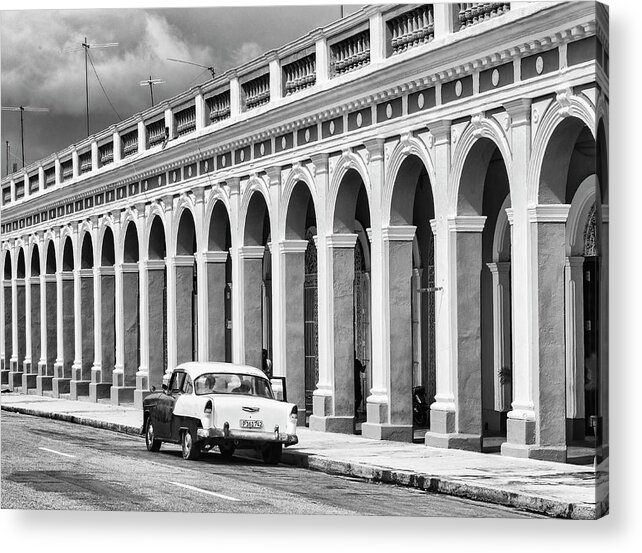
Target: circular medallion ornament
(242,155)
(421,100)
(359,120)
(389,111)
(284,143)
(222,161)
(262,149)
(458,89)
(132,190)
(206,165)
(307,135)
(145,185)
(189,171)
(495,77)
(331,127)
(160,180)
(539,65)
(175,176)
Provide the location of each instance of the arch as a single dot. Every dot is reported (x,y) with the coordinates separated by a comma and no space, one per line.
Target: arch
(564,117)
(602,161)
(68,255)
(107,250)
(130,244)
(219,232)
(154,216)
(295,177)
(582,203)
(502,237)
(256,228)
(86,252)
(299,209)
(157,245)
(186,242)
(348,168)
(35,260)
(8,273)
(351,197)
(404,188)
(50,260)
(20,264)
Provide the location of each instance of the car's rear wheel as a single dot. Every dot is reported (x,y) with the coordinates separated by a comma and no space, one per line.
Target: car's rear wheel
(227,450)
(150,437)
(190,449)
(272,453)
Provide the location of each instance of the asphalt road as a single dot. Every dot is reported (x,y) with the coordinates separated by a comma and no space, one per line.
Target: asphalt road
(50,464)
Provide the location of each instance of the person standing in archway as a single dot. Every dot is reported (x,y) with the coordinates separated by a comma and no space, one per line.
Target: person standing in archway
(266,364)
(358,394)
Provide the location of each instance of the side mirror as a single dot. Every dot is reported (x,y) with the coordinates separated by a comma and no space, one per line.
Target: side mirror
(278,388)
(152,389)
(164,387)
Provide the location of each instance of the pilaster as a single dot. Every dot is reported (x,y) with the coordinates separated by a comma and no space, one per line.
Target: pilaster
(574,335)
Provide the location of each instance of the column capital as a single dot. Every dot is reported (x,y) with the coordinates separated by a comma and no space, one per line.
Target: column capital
(234,184)
(215,256)
(274,175)
(48,278)
(86,273)
(320,162)
(466,223)
(108,270)
(499,267)
(341,240)
(153,264)
(399,233)
(548,213)
(519,111)
(574,262)
(510,215)
(181,261)
(374,146)
(434,225)
(441,131)
(293,246)
(66,275)
(251,252)
(130,267)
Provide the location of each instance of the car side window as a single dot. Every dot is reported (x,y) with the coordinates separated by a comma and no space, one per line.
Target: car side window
(187,385)
(176,383)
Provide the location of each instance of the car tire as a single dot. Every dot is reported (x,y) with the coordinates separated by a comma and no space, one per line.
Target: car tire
(150,437)
(189,446)
(271,453)
(226,450)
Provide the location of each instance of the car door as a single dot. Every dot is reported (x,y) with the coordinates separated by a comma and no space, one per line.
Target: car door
(166,403)
(184,411)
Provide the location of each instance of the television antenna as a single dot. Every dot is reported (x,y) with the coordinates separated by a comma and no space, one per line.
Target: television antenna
(86,46)
(208,67)
(151,82)
(22,109)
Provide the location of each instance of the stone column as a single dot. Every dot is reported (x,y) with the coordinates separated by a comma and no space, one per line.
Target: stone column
(104,333)
(544,435)
(49,332)
(251,258)
(462,428)
(183,266)
(18,334)
(334,410)
(26,363)
(603,321)
(502,366)
(79,386)
(292,253)
(5,306)
(215,272)
(393,419)
(31,368)
(66,333)
(574,335)
(124,375)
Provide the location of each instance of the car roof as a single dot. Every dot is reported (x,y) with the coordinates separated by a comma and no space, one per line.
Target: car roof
(197,368)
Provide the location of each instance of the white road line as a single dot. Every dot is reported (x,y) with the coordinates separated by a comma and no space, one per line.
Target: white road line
(56,452)
(205,491)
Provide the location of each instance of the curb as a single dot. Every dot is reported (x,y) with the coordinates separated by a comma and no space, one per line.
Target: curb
(426,482)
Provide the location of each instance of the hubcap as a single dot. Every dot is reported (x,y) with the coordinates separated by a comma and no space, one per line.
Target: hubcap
(187,442)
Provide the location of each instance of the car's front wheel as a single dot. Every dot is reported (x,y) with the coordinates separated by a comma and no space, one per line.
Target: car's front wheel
(226,450)
(272,453)
(190,449)
(150,437)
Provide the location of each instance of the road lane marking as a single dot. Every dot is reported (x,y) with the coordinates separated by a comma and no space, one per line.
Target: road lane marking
(205,491)
(56,452)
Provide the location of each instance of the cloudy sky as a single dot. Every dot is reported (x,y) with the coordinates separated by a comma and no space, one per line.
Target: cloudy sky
(37,71)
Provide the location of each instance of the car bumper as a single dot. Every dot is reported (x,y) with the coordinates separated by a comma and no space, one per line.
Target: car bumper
(247,435)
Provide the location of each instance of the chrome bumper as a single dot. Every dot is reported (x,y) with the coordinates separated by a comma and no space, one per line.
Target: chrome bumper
(247,435)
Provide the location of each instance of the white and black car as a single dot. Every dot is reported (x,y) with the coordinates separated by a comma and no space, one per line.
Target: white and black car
(220,404)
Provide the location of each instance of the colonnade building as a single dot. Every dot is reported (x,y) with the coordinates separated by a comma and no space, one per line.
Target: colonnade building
(421,187)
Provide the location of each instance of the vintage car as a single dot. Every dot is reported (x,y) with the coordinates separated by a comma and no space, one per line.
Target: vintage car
(220,404)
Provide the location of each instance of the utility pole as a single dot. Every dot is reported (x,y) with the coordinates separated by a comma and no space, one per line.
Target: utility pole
(7,173)
(151,82)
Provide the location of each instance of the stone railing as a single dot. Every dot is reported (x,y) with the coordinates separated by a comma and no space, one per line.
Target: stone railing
(106,153)
(130,143)
(34,183)
(350,54)
(20,189)
(6,195)
(85,162)
(66,170)
(155,132)
(186,120)
(471,13)
(219,106)
(300,74)
(257,91)
(411,29)
(50,177)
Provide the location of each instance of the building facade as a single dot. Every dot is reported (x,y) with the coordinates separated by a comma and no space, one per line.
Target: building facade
(423,188)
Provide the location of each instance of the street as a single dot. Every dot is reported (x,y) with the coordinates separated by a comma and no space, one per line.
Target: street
(49,464)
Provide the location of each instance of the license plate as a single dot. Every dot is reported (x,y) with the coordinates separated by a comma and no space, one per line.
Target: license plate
(251,423)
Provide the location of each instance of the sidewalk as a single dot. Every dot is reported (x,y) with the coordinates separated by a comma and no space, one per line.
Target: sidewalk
(555,489)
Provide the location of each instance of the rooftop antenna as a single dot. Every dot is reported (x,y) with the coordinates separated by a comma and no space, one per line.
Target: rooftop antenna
(21,109)
(86,46)
(7,174)
(208,67)
(151,82)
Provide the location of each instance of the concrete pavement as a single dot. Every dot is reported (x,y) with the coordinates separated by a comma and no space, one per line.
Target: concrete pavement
(554,489)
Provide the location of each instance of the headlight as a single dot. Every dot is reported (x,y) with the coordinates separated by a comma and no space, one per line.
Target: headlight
(294,414)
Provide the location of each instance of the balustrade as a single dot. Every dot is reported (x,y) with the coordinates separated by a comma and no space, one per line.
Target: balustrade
(471,13)
(186,120)
(350,54)
(412,28)
(130,143)
(257,91)
(85,162)
(20,189)
(50,177)
(219,106)
(300,74)
(106,153)
(67,170)
(6,195)
(155,132)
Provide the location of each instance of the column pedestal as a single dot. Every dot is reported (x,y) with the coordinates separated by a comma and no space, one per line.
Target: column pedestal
(252,263)
(18,355)
(8,335)
(49,334)
(105,338)
(66,336)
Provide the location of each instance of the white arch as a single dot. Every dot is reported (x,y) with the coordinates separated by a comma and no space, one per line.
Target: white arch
(184,202)
(566,105)
(347,161)
(216,195)
(479,128)
(65,232)
(105,222)
(255,184)
(502,226)
(298,174)
(583,201)
(155,210)
(407,146)
(129,215)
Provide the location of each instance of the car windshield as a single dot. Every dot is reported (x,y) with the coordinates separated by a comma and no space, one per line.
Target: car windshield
(232,383)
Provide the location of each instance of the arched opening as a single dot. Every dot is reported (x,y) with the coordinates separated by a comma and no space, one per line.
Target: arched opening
(7,306)
(301,310)
(122,390)
(19,350)
(20,269)
(66,337)
(412,312)
(257,282)
(186,290)
(49,353)
(82,374)
(157,302)
(35,261)
(33,348)
(219,285)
